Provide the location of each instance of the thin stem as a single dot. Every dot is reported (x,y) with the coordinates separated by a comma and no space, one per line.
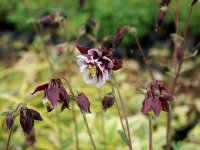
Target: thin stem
(9,137)
(120,117)
(142,52)
(76,126)
(194,49)
(39,35)
(175,79)
(123,108)
(150,134)
(188,22)
(84,117)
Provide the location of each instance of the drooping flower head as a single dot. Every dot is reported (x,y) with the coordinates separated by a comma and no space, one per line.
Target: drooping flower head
(83,102)
(27,117)
(108,101)
(156,99)
(54,94)
(9,120)
(96,64)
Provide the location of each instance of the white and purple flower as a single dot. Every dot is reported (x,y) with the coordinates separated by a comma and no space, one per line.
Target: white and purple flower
(96,64)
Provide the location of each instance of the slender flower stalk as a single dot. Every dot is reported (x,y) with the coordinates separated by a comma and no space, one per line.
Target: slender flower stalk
(84,117)
(9,137)
(150,134)
(124,111)
(120,117)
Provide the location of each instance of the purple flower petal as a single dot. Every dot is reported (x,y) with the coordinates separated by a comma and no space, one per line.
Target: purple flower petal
(156,106)
(164,105)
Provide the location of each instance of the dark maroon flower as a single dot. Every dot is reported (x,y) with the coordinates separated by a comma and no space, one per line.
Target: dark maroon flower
(30,140)
(9,121)
(119,35)
(156,99)
(194,2)
(117,64)
(96,64)
(83,102)
(165,3)
(160,18)
(108,101)
(54,94)
(26,120)
(27,117)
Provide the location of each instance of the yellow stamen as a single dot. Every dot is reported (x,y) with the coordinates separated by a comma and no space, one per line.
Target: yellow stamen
(92,71)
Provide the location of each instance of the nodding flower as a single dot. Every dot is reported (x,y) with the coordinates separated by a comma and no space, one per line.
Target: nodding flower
(54,95)
(96,64)
(156,99)
(108,101)
(27,117)
(83,102)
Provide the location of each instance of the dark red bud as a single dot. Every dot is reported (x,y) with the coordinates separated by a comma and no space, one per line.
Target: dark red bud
(194,2)
(117,64)
(83,50)
(83,102)
(9,121)
(160,19)
(119,35)
(165,3)
(36,115)
(107,101)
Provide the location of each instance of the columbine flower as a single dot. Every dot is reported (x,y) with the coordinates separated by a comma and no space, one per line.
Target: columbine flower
(108,101)
(83,102)
(156,99)
(9,121)
(54,94)
(96,64)
(27,117)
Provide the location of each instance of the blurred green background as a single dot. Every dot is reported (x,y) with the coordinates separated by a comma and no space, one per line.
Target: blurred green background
(23,66)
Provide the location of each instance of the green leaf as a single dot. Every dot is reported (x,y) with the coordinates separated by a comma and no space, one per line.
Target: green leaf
(4,113)
(71,98)
(177,36)
(185,52)
(142,91)
(121,133)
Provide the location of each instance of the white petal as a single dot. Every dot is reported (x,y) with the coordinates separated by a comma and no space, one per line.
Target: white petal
(93,51)
(110,64)
(89,80)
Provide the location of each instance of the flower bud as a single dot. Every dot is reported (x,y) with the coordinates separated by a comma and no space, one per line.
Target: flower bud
(119,35)
(194,2)
(165,2)
(83,102)
(36,115)
(107,101)
(160,18)
(9,121)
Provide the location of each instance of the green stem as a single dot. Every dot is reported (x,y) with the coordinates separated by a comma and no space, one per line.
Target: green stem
(123,108)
